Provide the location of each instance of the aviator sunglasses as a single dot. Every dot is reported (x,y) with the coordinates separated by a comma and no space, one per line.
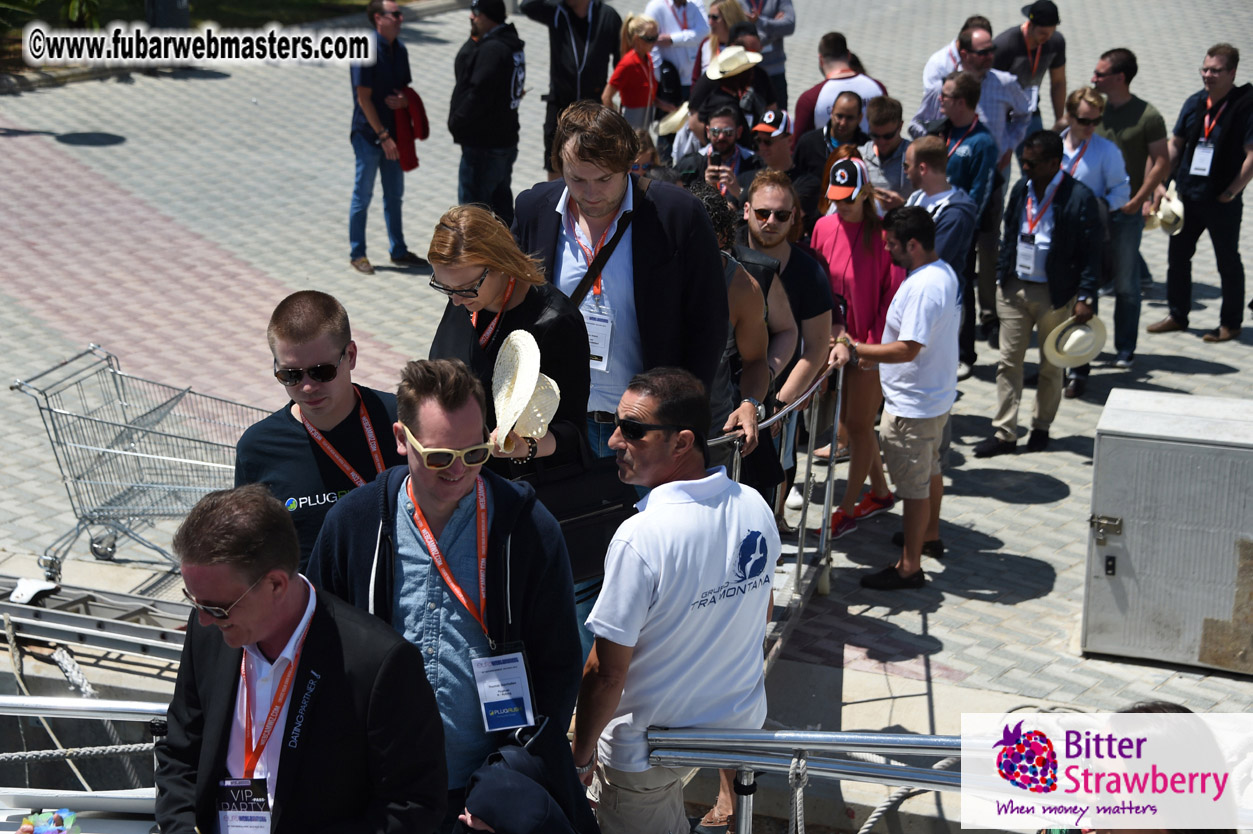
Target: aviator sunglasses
(291,377)
(443,458)
(216,611)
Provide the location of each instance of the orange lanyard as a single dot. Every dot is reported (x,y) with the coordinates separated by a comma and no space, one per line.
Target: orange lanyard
(1032,222)
(590,254)
(1079,156)
(491,328)
(371,440)
(674,12)
(965,135)
(1208,125)
(252,754)
(428,538)
(1035,63)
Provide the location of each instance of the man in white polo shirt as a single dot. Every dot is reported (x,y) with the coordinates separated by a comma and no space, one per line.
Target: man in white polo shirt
(919,377)
(680,623)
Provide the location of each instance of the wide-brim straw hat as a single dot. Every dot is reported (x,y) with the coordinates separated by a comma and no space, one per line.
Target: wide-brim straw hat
(732,61)
(671,124)
(1071,344)
(525,399)
(1169,214)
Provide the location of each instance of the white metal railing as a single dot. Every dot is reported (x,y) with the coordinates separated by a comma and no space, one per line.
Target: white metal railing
(790,752)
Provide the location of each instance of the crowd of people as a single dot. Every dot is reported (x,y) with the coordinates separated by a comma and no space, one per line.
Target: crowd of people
(430,547)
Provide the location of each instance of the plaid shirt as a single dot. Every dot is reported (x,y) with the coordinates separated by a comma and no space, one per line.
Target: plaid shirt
(1003,109)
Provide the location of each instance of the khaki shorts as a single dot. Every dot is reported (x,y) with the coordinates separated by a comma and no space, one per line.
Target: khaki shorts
(648,802)
(911,449)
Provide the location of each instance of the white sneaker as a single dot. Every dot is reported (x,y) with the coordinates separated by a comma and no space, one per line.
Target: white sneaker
(964,370)
(794,499)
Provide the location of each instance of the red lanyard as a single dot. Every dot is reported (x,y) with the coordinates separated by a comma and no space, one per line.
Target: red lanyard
(757,6)
(965,135)
(428,538)
(674,12)
(340,461)
(590,254)
(952,57)
(491,328)
(1035,63)
(252,754)
(1209,124)
(1032,222)
(1079,156)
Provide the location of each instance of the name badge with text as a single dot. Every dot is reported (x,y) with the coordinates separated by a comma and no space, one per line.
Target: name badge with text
(599,320)
(504,691)
(243,806)
(1202,159)
(1025,263)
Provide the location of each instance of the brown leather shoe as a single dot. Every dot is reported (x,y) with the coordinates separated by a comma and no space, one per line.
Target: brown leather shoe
(1166,325)
(362,265)
(1222,334)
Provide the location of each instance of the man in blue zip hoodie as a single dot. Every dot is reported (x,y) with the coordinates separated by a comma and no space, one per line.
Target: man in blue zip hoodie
(463,563)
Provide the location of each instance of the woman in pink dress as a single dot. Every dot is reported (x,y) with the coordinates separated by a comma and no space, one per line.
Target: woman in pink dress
(863,275)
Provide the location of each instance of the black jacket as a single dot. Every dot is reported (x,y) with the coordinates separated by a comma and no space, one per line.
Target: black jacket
(1073,264)
(680,295)
(351,761)
(490,78)
(568,47)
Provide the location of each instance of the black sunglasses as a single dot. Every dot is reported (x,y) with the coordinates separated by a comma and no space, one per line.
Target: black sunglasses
(649,38)
(891,134)
(291,377)
(635,430)
(782,215)
(988,50)
(1087,122)
(463,292)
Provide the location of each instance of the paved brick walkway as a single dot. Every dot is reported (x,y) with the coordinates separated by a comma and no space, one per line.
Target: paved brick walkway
(229,189)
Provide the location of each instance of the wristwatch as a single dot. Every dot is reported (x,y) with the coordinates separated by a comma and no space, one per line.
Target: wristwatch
(852,348)
(1087,299)
(760,409)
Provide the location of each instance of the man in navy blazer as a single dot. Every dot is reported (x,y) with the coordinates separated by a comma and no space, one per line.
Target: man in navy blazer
(675,293)
(355,741)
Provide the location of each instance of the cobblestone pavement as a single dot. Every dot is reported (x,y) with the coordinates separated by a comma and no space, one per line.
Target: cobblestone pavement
(164,216)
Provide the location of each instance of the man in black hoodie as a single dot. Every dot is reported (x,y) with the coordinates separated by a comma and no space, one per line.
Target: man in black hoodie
(483,114)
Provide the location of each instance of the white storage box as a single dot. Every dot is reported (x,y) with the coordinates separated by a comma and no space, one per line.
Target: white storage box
(1170,547)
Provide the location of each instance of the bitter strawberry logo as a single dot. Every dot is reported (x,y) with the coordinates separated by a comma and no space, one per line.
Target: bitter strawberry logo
(1027,760)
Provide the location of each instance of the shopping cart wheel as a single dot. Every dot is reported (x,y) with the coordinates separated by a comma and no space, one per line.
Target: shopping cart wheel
(104,547)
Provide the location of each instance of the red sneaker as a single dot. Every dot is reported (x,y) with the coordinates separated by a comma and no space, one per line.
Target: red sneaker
(872,505)
(841,524)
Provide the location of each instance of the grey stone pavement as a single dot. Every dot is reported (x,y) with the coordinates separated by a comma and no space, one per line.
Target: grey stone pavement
(163,217)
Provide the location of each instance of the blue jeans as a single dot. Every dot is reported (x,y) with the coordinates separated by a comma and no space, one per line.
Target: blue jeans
(485,177)
(1125,231)
(371,161)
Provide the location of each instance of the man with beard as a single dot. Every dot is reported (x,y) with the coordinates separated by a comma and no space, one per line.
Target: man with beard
(814,147)
(721,162)
(918,353)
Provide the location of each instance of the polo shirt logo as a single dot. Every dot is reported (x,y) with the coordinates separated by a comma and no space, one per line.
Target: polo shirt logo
(750,572)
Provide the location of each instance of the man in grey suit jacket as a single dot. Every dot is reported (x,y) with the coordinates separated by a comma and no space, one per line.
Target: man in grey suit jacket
(286,703)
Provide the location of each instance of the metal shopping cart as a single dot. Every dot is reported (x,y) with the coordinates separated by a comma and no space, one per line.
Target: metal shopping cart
(131,451)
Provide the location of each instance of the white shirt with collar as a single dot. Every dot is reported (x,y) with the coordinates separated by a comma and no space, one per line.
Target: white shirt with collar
(687,26)
(1043,228)
(263,680)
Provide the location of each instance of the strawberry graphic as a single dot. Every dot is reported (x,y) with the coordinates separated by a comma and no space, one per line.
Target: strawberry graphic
(1027,760)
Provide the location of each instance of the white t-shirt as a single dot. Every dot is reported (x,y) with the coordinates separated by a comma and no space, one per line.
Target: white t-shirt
(927,310)
(687,584)
(863,85)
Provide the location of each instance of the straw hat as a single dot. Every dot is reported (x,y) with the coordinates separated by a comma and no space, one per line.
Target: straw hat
(732,61)
(525,399)
(672,123)
(1072,344)
(1169,214)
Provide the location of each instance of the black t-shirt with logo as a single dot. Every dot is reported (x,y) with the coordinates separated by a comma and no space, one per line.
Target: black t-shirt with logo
(279,453)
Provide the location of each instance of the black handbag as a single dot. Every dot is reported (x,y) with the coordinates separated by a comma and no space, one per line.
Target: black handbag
(589,501)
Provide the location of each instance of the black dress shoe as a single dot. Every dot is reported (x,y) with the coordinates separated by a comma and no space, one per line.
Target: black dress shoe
(933,548)
(994,446)
(410,259)
(1075,386)
(889,580)
(1039,439)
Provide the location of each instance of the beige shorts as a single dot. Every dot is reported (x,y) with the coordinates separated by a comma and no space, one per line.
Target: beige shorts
(649,802)
(911,449)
